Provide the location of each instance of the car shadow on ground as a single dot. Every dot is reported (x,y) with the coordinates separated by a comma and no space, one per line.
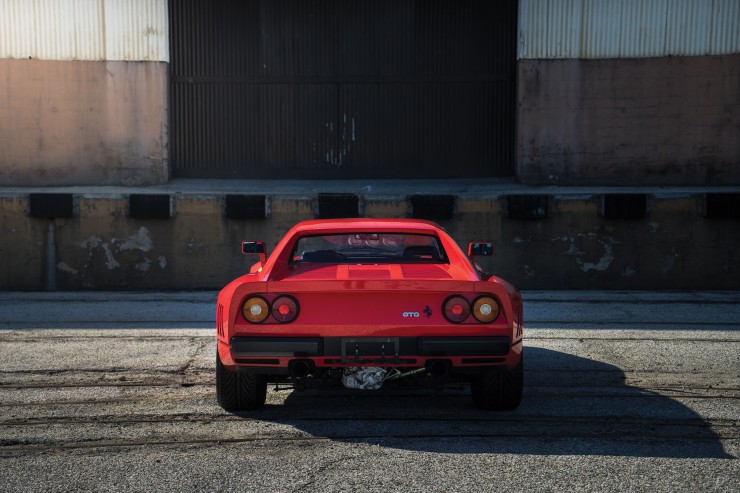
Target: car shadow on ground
(572,406)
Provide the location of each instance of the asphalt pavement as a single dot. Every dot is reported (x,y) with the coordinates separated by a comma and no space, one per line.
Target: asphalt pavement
(624,391)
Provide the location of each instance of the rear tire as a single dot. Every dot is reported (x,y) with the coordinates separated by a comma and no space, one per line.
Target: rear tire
(239,391)
(499,390)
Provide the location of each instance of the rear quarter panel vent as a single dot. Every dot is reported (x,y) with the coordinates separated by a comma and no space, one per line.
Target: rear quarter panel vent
(220,320)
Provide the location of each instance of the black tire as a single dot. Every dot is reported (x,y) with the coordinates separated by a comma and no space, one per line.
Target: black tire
(239,391)
(499,390)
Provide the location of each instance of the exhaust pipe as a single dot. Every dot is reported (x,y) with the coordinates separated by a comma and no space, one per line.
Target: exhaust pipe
(300,368)
(439,368)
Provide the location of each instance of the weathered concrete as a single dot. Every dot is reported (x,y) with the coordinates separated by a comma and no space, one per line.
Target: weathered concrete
(78,123)
(652,121)
(674,247)
(658,121)
(574,247)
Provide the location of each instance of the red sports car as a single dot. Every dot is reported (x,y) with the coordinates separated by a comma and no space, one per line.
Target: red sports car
(364,303)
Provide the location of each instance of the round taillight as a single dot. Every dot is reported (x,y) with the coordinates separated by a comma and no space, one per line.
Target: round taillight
(284,309)
(485,309)
(255,309)
(456,309)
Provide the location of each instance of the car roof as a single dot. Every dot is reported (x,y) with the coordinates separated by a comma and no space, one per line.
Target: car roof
(339,225)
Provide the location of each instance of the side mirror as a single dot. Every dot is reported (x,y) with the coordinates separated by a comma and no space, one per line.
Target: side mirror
(255,247)
(483,249)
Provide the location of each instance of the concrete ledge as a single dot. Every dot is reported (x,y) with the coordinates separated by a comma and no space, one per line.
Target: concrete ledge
(569,246)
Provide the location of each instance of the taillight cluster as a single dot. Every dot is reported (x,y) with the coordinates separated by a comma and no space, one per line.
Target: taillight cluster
(457,309)
(283,309)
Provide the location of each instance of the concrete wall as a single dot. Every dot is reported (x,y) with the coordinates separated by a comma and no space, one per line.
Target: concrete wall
(674,247)
(66,122)
(573,247)
(640,121)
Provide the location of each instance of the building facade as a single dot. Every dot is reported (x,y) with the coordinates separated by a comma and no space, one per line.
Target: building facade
(586,92)
(628,92)
(595,141)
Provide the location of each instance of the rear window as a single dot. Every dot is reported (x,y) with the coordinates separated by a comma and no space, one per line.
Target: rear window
(369,248)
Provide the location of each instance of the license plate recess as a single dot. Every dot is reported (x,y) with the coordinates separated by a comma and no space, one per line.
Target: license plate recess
(361,348)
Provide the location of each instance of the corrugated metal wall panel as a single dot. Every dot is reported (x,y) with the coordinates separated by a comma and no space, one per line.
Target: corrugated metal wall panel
(342,89)
(726,26)
(136,30)
(84,29)
(534,24)
(601,25)
(89,30)
(17,29)
(627,28)
(688,27)
(562,35)
(640,28)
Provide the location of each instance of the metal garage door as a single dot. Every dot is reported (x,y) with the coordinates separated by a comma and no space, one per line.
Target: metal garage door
(342,89)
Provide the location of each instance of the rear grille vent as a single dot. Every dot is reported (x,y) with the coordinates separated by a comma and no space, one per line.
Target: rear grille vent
(220,320)
(369,274)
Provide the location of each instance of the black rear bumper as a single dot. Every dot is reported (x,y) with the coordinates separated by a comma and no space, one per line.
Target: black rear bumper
(339,347)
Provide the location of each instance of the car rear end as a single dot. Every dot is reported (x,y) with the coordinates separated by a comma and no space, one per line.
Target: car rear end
(366,303)
(303,330)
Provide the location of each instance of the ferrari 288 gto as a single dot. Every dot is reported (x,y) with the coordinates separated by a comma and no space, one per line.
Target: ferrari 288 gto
(366,303)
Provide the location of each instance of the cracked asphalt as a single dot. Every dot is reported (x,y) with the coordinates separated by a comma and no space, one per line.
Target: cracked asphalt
(624,391)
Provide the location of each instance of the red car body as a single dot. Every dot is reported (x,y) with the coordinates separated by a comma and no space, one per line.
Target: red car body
(393,295)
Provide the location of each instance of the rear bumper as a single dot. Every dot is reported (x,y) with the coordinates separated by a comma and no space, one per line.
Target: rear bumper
(386,346)
(278,353)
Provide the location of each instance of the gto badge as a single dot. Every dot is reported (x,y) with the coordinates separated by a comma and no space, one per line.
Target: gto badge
(410,314)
